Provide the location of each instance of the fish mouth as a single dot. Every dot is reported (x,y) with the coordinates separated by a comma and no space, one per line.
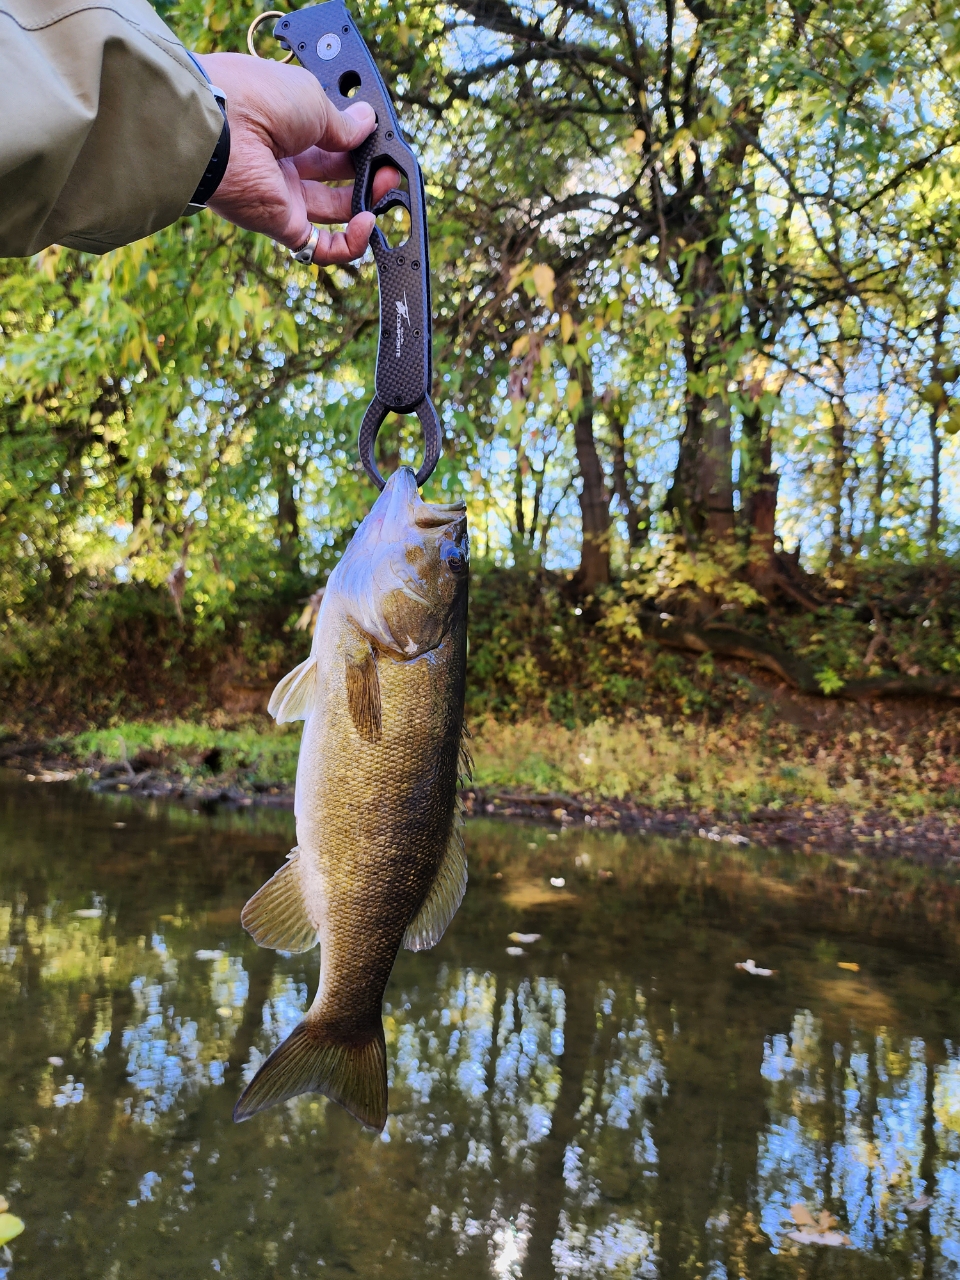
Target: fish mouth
(435,515)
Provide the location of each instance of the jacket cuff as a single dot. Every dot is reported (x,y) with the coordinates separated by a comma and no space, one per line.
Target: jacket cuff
(217,166)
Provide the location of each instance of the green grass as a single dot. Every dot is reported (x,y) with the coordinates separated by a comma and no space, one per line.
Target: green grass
(256,752)
(730,769)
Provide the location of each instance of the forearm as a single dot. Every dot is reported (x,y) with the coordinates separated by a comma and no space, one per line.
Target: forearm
(107,124)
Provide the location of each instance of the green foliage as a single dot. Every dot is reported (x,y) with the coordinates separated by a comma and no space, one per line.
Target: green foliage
(729,274)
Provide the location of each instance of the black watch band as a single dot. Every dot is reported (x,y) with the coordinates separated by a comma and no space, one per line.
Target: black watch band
(217,166)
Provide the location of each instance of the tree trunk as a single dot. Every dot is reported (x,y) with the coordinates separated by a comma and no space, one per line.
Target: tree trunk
(594,568)
(933,532)
(759,484)
(702,491)
(637,515)
(838,470)
(288,517)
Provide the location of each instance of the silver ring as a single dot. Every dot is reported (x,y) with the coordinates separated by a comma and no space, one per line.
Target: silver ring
(308,248)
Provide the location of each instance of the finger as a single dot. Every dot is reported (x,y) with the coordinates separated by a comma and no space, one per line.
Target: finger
(327,204)
(324,166)
(345,130)
(315,165)
(385,180)
(343,246)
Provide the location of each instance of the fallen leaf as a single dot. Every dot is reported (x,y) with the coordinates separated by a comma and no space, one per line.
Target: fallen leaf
(819,1230)
(808,1235)
(55,1062)
(848,964)
(748,966)
(524,937)
(802,1216)
(515,951)
(10,1227)
(223,1011)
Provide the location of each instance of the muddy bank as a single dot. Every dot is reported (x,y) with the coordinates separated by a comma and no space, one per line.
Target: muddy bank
(932,840)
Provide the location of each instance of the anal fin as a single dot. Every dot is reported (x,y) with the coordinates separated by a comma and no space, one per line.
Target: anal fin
(310,1061)
(296,694)
(276,915)
(446,893)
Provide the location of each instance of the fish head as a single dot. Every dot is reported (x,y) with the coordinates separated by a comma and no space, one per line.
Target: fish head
(403,578)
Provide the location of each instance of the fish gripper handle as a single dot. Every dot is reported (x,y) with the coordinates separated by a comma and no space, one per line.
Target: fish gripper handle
(327,42)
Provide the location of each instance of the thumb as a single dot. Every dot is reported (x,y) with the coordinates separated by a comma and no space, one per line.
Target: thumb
(345,130)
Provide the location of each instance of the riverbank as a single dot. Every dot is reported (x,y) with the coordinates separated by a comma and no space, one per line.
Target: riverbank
(894,790)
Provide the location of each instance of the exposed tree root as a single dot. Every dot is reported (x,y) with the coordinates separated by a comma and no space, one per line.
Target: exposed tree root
(727,642)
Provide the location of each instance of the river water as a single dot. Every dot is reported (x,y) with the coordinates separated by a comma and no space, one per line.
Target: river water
(619,1100)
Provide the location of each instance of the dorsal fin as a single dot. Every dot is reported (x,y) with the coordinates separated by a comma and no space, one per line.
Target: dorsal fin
(296,694)
(276,915)
(446,893)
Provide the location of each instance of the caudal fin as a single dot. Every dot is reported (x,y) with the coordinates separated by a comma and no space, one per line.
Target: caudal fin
(308,1061)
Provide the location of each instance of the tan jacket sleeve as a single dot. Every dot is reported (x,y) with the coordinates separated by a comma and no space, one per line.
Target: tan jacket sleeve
(106,125)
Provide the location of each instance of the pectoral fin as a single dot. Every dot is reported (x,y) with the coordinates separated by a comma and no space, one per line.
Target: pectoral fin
(276,915)
(363,696)
(296,694)
(446,893)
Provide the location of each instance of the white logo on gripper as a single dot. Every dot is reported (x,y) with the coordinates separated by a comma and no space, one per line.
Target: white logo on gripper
(403,313)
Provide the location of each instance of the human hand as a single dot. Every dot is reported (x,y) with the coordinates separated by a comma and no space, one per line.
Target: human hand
(287,141)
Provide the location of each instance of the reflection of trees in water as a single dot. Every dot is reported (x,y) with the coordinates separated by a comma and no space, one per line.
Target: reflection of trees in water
(613,1158)
(520,1108)
(850,1130)
(473,1111)
(165,1052)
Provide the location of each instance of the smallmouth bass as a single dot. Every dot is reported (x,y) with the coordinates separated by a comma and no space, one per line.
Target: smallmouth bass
(379,861)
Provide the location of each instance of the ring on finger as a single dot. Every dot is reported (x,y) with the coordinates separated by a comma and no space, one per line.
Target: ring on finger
(308,248)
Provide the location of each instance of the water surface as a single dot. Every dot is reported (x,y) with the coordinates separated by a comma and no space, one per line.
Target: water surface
(617,1101)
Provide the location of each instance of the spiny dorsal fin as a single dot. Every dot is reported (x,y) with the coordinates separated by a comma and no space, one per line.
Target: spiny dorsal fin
(363,696)
(296,694)
(446,893)
(276,916)
(309,1061)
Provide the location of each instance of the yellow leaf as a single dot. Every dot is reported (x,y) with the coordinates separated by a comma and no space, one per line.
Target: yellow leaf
(566,326)
(634,144)
(516,275)
(152,279)
(848,964)
(10,1227)
(218,21)
(521,346)
(544,281)
(574,394)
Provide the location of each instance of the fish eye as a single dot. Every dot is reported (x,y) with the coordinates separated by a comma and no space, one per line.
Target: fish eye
(452,555)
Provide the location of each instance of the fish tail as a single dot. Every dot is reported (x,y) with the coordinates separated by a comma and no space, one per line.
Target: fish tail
(311,1060)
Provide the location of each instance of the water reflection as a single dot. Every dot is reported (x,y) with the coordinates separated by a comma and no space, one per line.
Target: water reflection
(619,1103)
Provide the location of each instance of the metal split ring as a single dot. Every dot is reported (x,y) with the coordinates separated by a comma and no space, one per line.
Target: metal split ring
(257,23)
(432,438)
(308,248)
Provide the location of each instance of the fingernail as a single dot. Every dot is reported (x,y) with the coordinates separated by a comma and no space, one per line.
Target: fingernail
(363,113)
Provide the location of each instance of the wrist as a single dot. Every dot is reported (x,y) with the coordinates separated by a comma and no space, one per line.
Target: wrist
(217,165)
